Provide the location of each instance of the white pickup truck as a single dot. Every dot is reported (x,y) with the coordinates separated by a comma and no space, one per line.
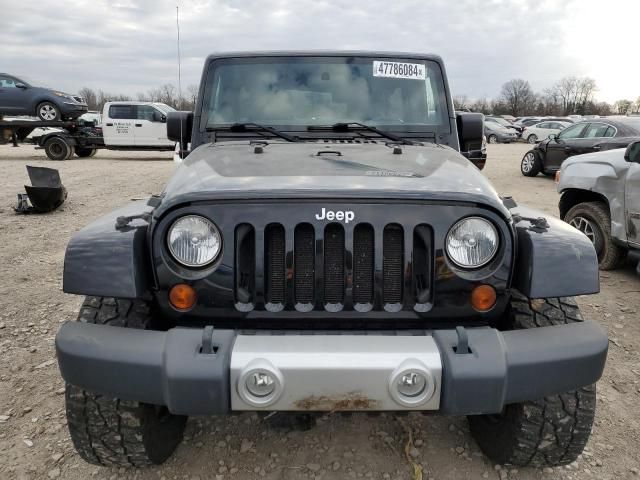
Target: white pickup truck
(125,126)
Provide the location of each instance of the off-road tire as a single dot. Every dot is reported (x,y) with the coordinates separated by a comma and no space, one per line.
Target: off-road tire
(58,149)
(548,432)
(85,152)
(530,169)
(610,255)
(110,431)
(48,112)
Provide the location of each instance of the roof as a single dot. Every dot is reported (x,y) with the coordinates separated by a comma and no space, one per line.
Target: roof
(325,53)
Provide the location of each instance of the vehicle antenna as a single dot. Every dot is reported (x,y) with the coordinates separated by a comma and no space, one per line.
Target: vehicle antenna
(182,143)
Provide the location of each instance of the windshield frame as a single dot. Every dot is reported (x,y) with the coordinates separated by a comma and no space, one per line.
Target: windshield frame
(443,103)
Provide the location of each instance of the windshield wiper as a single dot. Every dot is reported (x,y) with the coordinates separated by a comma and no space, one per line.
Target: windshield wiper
(244,127)
(345,127)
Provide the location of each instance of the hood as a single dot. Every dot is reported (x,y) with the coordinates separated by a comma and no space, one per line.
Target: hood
(236,170)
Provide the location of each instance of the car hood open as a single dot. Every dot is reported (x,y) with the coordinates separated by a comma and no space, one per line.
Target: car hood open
(365,170)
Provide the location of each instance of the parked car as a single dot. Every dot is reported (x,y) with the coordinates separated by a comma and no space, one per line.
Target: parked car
(18,97)
(496,133)
(503,123)
(526,121)
(540,131)
(93,117)
(601,198)
(581,137)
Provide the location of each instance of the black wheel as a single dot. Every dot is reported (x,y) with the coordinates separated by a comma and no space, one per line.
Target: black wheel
(533,138)
(48,112)
(85,152)
(492,139)
(548,432)
(593,219)
(110,431)
(57,148)
(530,164)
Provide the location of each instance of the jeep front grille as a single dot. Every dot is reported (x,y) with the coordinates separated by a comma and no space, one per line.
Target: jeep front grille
(333,267)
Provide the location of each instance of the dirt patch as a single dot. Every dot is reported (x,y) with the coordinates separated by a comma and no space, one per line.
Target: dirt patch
(34,443)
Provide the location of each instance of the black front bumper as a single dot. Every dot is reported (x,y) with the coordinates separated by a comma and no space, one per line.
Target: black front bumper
(170,368)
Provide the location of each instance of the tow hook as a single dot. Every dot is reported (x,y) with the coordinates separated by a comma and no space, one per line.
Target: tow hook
(207,341)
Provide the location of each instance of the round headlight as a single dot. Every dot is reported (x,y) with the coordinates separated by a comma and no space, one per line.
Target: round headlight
(472,242)
(194,241)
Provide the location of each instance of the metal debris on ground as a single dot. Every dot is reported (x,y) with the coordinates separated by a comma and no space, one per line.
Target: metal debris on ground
(45,194)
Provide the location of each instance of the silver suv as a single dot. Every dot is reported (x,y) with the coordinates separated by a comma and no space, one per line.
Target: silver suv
(601,197)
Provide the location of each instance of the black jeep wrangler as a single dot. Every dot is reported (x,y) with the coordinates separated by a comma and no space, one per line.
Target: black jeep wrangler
(325,246)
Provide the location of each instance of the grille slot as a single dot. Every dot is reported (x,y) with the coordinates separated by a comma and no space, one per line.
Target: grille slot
(245,265)
(333,264)
(274,264)
(304,263)
(393,253)
(422,263)
(363,251)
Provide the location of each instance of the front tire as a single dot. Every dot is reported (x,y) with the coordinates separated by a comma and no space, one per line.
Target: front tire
(533,138)
(548,432)
(530,164)
(48,112)
(110,431)
(593,219)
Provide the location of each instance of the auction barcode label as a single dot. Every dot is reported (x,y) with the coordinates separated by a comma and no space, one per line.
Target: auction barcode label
(414,71)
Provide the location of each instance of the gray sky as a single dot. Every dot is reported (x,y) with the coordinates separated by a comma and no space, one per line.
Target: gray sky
(129,46)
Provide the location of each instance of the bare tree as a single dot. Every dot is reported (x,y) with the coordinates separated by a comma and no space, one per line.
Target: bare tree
(517,96)
(623,106)
(481,105)
(461,102)
(89,97)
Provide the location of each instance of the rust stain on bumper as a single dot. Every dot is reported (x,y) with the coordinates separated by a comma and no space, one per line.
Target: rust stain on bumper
(349,401)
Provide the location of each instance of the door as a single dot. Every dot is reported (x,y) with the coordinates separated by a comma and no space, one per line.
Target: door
(118,128)
(632,203)
(563,146)
(13,100)
(594,135)
(151,127)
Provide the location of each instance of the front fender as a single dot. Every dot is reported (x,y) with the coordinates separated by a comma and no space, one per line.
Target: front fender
(104,261)
(555,260)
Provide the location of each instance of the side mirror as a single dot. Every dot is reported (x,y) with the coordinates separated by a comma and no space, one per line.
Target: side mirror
(179,127)
(632,153)
(470,135)
(21,85)
(159,117)
(553,136)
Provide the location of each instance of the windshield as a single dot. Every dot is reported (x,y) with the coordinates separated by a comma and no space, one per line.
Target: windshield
(298,92)
(164,107)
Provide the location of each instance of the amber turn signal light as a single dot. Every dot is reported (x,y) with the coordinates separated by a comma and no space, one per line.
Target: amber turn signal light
(182,296)
(483,298)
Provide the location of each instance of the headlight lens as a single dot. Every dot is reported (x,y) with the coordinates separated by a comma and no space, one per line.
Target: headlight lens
(194,241)
(472,242)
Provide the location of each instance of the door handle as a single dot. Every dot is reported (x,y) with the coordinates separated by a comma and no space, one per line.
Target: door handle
(138,124)
(109,124)
(567,149)
(596,147)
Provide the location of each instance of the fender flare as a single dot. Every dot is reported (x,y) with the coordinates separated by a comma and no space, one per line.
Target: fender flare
(553,258)
(104,261)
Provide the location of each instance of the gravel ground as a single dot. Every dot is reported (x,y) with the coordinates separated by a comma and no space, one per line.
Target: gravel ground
(34,442)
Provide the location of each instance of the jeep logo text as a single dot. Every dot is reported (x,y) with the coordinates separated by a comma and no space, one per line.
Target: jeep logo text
(341,215)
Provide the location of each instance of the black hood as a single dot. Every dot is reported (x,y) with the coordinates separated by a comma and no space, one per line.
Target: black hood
(235,170)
